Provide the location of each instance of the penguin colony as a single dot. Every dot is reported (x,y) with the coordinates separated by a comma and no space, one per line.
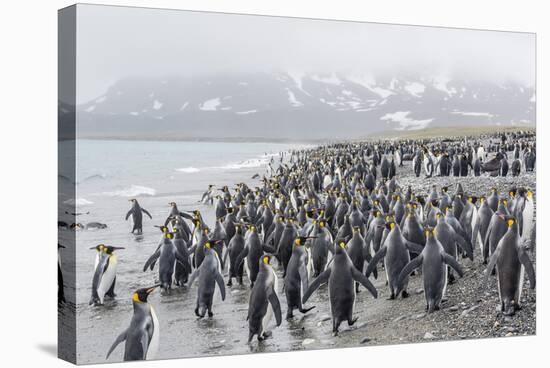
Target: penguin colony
(337,215)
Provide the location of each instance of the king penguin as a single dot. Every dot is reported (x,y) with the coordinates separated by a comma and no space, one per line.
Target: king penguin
(264,302)
(103,282)
(340,276)
(511,260)
(137,216)
(142,336)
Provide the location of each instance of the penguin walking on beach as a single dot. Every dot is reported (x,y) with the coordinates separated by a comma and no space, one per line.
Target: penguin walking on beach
(297,277)
(143,335)
(340,276)
(104,279)
(137,216)
(434,261)
(264,302)
(208,274)
(511,261)
(395,252)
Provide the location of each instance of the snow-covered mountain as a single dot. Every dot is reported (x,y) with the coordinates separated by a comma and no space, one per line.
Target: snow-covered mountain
(300,106)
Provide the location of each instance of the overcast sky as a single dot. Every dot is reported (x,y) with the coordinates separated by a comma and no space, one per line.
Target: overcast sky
(118,42)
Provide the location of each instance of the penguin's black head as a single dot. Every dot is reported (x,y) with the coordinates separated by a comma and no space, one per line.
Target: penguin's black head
(162,228)
(341,245)
(210,243)
(301,240)
(141,295)
(99,247)
(109,249)
(133,200)
(510,221)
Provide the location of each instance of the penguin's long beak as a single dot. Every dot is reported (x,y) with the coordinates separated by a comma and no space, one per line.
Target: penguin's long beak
(61,246)
(92,248)
(116,248)
(152,288)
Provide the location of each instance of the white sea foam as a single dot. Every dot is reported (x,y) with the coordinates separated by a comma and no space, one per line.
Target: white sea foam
(78,202)
(188,170)
(132,191)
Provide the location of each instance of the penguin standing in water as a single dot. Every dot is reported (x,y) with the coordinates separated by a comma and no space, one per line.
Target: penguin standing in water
(103,282)
(137,216)
(166,254)
(340,276)
(297,277)
(60,284)
(183,265)
(434,261)
(142,336)
(209,274)
(234,249)
(207,197)
(511,260)
(264,302)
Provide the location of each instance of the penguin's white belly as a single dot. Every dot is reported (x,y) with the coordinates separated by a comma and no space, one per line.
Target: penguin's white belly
(445,276)
(527,221)
(246,269)
(520,286)
(107,278)
(154,343)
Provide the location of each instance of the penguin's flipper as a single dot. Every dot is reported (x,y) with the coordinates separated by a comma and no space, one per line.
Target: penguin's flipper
(465,246)
(128,214)
(453,263)
(362,279)
(120,338)
(274,301)
(528,265)
(193,276)
(242,257)
(186,216)
(221,284)
(475,232)
(147,213)
(151,261)
(321,279)
(413,247)
(377,257)
(410,267)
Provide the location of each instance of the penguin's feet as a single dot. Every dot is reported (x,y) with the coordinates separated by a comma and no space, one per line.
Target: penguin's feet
(267,334)
(391,297)
(405,294)
(229,283)
(352,322)
(197,312)
(289,315)
(210,314)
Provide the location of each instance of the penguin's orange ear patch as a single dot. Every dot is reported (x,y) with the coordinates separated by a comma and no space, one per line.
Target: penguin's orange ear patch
(266,260)
(510,222)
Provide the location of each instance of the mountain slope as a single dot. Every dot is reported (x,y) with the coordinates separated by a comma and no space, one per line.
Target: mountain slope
(298,106)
